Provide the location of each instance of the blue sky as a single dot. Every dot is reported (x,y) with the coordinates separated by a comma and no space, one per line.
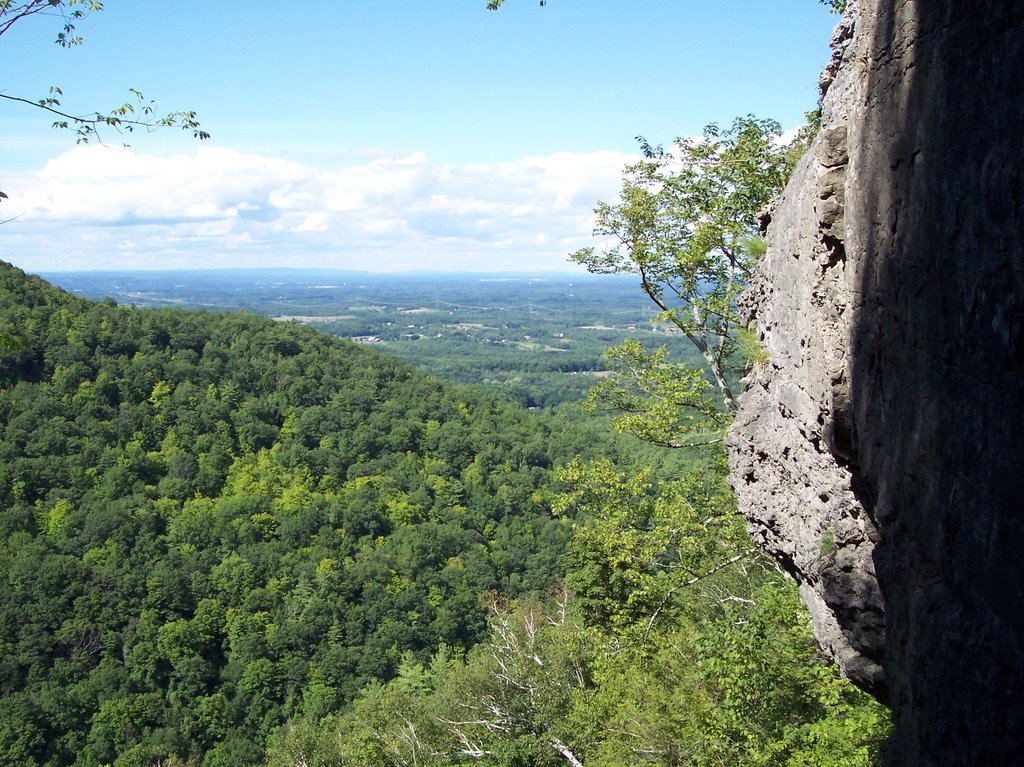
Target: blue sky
(376,134)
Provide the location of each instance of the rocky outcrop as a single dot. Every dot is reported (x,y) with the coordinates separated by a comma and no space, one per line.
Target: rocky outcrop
(790,444)
(877,454)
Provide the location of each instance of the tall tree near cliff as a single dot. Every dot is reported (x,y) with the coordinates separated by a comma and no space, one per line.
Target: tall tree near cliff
(685,224)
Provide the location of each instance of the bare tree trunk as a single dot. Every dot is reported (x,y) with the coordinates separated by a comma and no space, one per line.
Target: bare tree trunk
(563,749)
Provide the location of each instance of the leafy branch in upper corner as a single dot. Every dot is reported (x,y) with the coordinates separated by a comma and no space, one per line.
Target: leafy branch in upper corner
(685,223)
(69,11)
(133,114)
(122,119)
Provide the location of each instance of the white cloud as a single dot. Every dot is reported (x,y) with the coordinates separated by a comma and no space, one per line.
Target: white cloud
(100,207)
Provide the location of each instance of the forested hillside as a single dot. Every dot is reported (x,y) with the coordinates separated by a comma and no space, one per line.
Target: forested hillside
(214,522)
(228,541)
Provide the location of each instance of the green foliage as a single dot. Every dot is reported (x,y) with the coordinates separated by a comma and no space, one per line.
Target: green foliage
(635,547)
(664,403)
(214,523)
(221,532)
(684,224)
(827,544)
(69,11)
(674,643)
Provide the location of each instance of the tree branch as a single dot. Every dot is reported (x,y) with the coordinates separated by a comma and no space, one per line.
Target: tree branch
(88,124)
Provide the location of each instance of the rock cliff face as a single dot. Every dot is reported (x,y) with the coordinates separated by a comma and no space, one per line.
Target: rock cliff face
(878,453)
(791,443)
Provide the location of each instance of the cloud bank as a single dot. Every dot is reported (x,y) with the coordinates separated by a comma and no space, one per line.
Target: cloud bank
(98,207)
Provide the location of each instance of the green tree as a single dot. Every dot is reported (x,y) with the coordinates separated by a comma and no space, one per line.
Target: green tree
(686,225)
(669,404)
(638,548)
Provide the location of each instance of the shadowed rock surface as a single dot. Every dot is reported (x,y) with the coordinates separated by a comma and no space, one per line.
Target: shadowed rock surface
(878,452)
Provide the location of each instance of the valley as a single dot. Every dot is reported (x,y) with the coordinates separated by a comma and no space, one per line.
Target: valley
(537,340)
(230,541)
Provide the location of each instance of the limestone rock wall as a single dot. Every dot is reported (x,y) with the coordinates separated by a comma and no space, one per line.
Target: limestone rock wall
(878,453)
(790,444)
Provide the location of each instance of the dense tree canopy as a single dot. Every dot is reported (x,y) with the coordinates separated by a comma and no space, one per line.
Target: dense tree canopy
(672,642)
(220,532)
(213,522)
